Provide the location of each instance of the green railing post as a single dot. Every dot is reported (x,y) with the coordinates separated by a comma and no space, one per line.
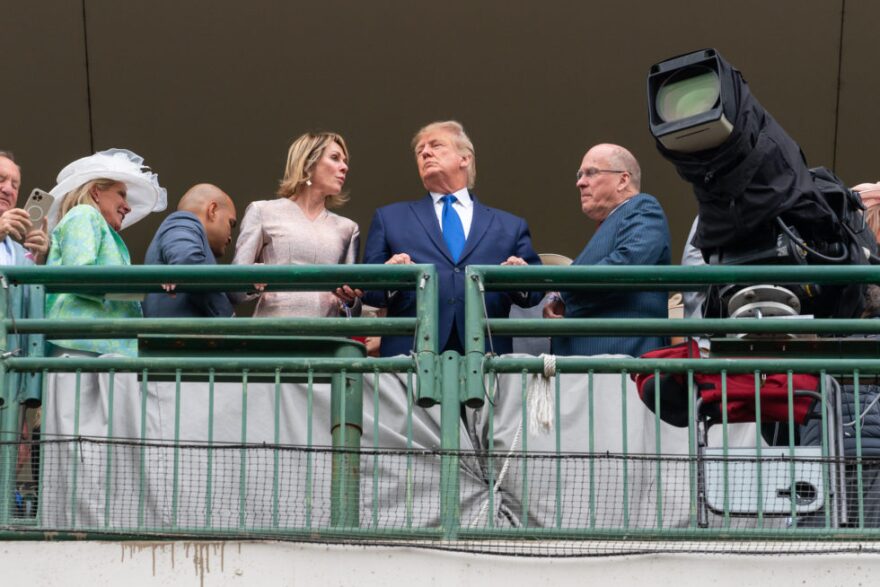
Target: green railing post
(426,343)
(8,421)
(346,427)
(450,421)
(474,337)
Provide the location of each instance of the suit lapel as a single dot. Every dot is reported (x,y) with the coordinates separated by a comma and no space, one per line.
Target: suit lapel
(480,223)
(424,212)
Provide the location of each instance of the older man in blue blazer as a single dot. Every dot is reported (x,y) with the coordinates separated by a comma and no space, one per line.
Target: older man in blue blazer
(450,229)
(632,230)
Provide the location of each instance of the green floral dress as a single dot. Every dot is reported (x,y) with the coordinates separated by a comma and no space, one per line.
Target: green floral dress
(83,237)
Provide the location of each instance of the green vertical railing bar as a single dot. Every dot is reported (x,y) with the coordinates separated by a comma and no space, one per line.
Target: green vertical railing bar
(242,474)
(658,450)
(42,462)
(759,442)
(490,464)
(524,448)
(175,483)
(452,376)
(346,426)
(409,445)
(725,445)
(591,448)
(8,421)
(276,465)
(310,403)
(826,472)
(426,345)
(142,472)
(792,463)
(557,418)
(74,468)
(108,468)
(857,412)
(209,471)
(692,450)
(474,337)
(375,505)
(625,462)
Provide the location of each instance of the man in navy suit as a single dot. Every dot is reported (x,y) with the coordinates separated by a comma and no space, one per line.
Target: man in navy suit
(450,229)
(632,230)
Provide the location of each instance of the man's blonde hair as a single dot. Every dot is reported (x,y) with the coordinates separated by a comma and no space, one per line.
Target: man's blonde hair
(463,144)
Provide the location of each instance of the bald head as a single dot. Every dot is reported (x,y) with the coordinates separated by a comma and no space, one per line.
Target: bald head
(609,175)
(199,196)
(620,158)
(216,211)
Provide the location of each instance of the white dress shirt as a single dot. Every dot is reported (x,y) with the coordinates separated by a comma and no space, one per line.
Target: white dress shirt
(464,205)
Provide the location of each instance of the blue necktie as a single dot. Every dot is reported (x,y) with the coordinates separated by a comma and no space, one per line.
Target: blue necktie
(453,231)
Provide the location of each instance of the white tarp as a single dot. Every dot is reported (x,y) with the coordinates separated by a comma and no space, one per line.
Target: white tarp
(142,480)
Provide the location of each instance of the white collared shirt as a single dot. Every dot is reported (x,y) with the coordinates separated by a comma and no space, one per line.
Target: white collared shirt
(464,205)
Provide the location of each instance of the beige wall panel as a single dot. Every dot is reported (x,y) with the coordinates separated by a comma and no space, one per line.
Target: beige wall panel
(215,91)
(44,97)
(860,87)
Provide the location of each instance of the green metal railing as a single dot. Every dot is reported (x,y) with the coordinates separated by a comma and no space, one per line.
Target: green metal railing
(479,366)
(345,368)
(535,476)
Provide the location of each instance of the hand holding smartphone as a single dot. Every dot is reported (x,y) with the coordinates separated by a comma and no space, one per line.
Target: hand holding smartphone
(37,205)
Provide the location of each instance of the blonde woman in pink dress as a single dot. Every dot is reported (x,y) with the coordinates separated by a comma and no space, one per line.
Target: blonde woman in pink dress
(298,228)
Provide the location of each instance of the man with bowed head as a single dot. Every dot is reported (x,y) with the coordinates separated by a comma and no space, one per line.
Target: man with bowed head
(197,234)
(450,229)
(632,230)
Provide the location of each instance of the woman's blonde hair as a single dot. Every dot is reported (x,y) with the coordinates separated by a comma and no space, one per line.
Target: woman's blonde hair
(302,156)
(82,195)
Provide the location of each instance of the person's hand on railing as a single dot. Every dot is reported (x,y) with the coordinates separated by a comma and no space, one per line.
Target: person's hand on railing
(514,261)
(399,259)
(555,307)
(348,295)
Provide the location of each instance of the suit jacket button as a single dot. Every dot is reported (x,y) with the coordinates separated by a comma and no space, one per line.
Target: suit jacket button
(457,270)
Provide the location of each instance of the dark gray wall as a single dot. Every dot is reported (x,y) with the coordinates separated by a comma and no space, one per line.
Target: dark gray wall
(215,90)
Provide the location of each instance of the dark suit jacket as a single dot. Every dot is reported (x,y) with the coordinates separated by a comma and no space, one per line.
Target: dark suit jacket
(412,227)
(181,240)
(636,233)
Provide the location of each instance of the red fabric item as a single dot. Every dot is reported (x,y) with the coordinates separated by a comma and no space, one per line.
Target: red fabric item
(740,391)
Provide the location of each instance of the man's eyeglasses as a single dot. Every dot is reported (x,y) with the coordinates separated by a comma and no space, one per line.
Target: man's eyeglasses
(592,172)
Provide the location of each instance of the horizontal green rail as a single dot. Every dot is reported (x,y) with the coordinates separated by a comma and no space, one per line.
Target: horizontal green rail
(648,326)
(127,327)
(148,278)
(616,365)
(672,278)
(206,364)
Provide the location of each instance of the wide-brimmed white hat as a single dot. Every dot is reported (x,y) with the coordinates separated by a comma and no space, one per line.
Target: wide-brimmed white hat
(145,195)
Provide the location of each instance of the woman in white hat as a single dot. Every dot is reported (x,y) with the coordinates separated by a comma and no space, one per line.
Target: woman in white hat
(297,228)
(96,197)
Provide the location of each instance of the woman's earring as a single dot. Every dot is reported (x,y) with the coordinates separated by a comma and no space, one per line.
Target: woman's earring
(309,182)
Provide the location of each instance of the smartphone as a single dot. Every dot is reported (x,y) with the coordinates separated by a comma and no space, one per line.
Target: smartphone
(38,204)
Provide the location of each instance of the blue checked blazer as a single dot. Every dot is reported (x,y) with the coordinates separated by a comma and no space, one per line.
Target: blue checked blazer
(636,233)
